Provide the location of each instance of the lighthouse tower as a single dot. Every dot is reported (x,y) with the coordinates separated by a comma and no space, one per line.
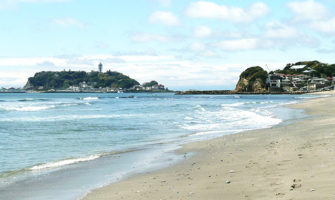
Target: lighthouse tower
(100,67)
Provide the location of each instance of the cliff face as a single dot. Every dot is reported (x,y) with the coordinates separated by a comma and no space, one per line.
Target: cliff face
(252,79)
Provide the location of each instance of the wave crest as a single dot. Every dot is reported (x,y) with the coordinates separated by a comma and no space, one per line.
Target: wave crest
(64,163)
(29,108)
(90,98)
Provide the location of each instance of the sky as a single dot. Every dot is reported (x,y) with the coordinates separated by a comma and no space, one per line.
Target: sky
(183,44)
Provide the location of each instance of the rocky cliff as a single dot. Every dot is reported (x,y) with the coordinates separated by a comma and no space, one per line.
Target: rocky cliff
(252,79)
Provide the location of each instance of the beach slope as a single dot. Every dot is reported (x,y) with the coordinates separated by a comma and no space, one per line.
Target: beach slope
(295,161)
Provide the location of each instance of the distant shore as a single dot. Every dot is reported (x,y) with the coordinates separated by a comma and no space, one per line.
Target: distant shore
(229,92)
(190,92)
(89,92)
(292,161)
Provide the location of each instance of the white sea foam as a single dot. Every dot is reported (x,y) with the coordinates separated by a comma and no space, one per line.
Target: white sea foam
(246,103)
(288,103)
(64,118)
(90,98)
(63,163)
(35,107)
(69,104)
(232,104)
(207,133)
(230,118)
(28,108)
(200,107)
(312,97)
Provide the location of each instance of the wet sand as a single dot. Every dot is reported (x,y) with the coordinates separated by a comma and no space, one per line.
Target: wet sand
(295,161)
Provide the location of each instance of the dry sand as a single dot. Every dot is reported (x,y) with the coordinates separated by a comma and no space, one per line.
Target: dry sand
(330,92)
(295,161)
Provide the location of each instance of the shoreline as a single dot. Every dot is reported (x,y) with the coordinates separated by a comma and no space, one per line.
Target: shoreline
(191,92)
(226,167)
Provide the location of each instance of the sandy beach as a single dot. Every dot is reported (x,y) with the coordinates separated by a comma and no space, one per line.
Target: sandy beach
(294,161)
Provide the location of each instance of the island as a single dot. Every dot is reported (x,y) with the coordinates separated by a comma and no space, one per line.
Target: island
(94,81)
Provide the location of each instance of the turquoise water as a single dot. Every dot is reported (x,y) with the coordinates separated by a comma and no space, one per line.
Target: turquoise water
(72,143)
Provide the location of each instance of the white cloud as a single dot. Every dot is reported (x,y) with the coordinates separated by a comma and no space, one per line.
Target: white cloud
(45,1)
(12,3)
(281,31)
(275,35)
(146,37)
(281,35)
(7,4)
(257,10)
(325,26)
(239,44)
(12,80)
(101,45)
(313,14)
(197,47)
(161,17)
(308,10)
(210,54)
(164,2)
(69,22)
(46,63)
(205,9)
(202,32)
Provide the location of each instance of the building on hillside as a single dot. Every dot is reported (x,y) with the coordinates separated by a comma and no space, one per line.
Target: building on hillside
(273,81)
(74,89)
(137,88)
(320,82)
(311,86)
(83,85)
(298,82)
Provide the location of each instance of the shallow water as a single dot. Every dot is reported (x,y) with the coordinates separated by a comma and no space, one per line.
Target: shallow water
(72,143)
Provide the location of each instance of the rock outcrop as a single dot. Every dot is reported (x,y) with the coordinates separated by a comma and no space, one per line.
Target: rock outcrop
(252,79)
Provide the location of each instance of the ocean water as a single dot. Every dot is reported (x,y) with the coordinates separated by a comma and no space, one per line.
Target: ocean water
(61,146)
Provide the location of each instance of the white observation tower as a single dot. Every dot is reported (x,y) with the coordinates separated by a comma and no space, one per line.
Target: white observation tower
(100,67)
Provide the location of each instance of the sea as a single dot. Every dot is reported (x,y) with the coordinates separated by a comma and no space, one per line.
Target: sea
(61,146)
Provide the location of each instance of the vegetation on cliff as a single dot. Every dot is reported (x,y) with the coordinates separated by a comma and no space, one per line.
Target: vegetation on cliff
(252,79)
(150,84)
(61,80)
(315,68)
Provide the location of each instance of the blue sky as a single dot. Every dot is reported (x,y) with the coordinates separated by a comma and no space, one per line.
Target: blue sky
(183,44)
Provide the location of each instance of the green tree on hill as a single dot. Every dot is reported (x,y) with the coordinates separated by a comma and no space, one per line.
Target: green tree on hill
(150,84)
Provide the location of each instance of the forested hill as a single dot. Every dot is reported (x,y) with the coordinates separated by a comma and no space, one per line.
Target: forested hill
(61,80)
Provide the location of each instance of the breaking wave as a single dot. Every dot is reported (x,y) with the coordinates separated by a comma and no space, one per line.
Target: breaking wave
(64,162)
(229,119)
(36,107)
(28,108)
(90,98)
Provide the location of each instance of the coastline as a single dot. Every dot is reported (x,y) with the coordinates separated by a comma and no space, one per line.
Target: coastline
(292,161)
